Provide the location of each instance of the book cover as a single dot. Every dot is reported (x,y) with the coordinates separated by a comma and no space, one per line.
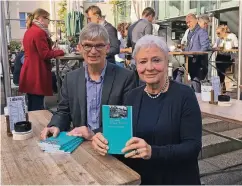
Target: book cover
(59,141)
(60,144)
(117,126)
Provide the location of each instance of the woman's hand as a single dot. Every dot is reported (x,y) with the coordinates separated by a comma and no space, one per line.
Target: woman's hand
(100,144)
(137,148)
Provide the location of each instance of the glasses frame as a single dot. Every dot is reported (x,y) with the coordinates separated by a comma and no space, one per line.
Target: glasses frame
(45,17)
(95,46)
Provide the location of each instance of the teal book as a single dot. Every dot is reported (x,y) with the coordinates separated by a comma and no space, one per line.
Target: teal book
(73,147)
(67,147)
(61,143)
(117,126)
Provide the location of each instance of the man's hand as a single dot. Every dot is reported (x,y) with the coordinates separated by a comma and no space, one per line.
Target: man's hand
(129,50)
(49,130)
(82,132)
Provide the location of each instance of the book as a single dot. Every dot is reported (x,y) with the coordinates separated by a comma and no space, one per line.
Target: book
(60,144)
(117,126)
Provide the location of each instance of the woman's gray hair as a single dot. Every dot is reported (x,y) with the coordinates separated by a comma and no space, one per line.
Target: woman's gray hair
(149,41)
(94,31)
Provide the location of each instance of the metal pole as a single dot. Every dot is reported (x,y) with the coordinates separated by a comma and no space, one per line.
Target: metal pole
(240,50)
(4,52)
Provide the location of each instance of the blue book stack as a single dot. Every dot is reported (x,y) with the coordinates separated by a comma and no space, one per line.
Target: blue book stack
(117,126)
(60,144)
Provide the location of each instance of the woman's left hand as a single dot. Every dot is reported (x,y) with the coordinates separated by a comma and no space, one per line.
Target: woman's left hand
(138,149)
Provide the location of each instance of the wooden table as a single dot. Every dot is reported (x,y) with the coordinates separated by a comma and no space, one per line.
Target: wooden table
(23,163)
(230,50)
(58,62)
(186,55)
(231,114)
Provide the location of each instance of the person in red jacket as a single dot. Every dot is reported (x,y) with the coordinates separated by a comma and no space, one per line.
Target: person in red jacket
(36,77)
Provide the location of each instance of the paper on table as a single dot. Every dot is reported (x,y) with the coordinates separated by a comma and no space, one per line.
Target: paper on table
(17,110)
(216,87)
(206,92)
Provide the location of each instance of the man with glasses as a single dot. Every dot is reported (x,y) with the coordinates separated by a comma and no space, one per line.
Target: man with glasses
(85,90)
(94,15)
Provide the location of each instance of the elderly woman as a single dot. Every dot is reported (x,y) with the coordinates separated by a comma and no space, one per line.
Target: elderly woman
(167,122)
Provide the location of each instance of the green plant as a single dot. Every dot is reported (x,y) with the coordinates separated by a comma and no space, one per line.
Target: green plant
(62,13)
(120,10)
(14,45)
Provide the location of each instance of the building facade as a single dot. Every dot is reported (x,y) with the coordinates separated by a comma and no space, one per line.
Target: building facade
(17,12)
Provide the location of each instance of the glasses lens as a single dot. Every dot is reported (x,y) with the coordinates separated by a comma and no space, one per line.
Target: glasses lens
(99,47)
(87,47)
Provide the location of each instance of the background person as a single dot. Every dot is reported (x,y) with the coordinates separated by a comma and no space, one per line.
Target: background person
(141,27)
(123,33)
(198,41)
(224,59)
(36,76)
(203,21)
(94,15)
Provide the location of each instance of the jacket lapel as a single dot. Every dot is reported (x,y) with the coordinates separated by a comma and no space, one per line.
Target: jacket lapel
(82,96)
(136,108)
(108,83)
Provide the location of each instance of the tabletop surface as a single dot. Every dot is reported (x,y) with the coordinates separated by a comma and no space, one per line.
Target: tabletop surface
(232,113)
(70,57)
(225,50)
(22,162)
(188,53)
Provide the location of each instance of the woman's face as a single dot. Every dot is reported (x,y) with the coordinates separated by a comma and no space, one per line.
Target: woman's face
(152,64)
(220,33)
(125,34)
(45,20)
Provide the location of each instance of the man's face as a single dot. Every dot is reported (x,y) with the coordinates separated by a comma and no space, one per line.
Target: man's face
(191,22)
(92,18)
(94,52)
(150,18)
(203,24)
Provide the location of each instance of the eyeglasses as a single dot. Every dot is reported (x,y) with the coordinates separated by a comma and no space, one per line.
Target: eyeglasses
(98,47)
(47,18)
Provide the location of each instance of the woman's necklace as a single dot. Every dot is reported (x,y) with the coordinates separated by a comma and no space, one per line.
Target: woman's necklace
(162,90)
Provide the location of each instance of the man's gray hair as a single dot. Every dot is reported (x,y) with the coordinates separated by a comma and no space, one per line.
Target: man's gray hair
(149,41)
(94,31)
(205,18)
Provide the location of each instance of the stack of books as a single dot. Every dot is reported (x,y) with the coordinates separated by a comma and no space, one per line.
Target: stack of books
(60,144)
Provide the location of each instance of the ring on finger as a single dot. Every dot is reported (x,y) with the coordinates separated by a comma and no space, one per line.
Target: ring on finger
(136,152)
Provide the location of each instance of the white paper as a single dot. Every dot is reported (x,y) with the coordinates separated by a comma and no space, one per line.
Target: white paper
(16,109)
(206,93)
(216,87)
(173,35)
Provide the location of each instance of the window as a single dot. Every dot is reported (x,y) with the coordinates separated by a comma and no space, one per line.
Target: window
(23,17)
